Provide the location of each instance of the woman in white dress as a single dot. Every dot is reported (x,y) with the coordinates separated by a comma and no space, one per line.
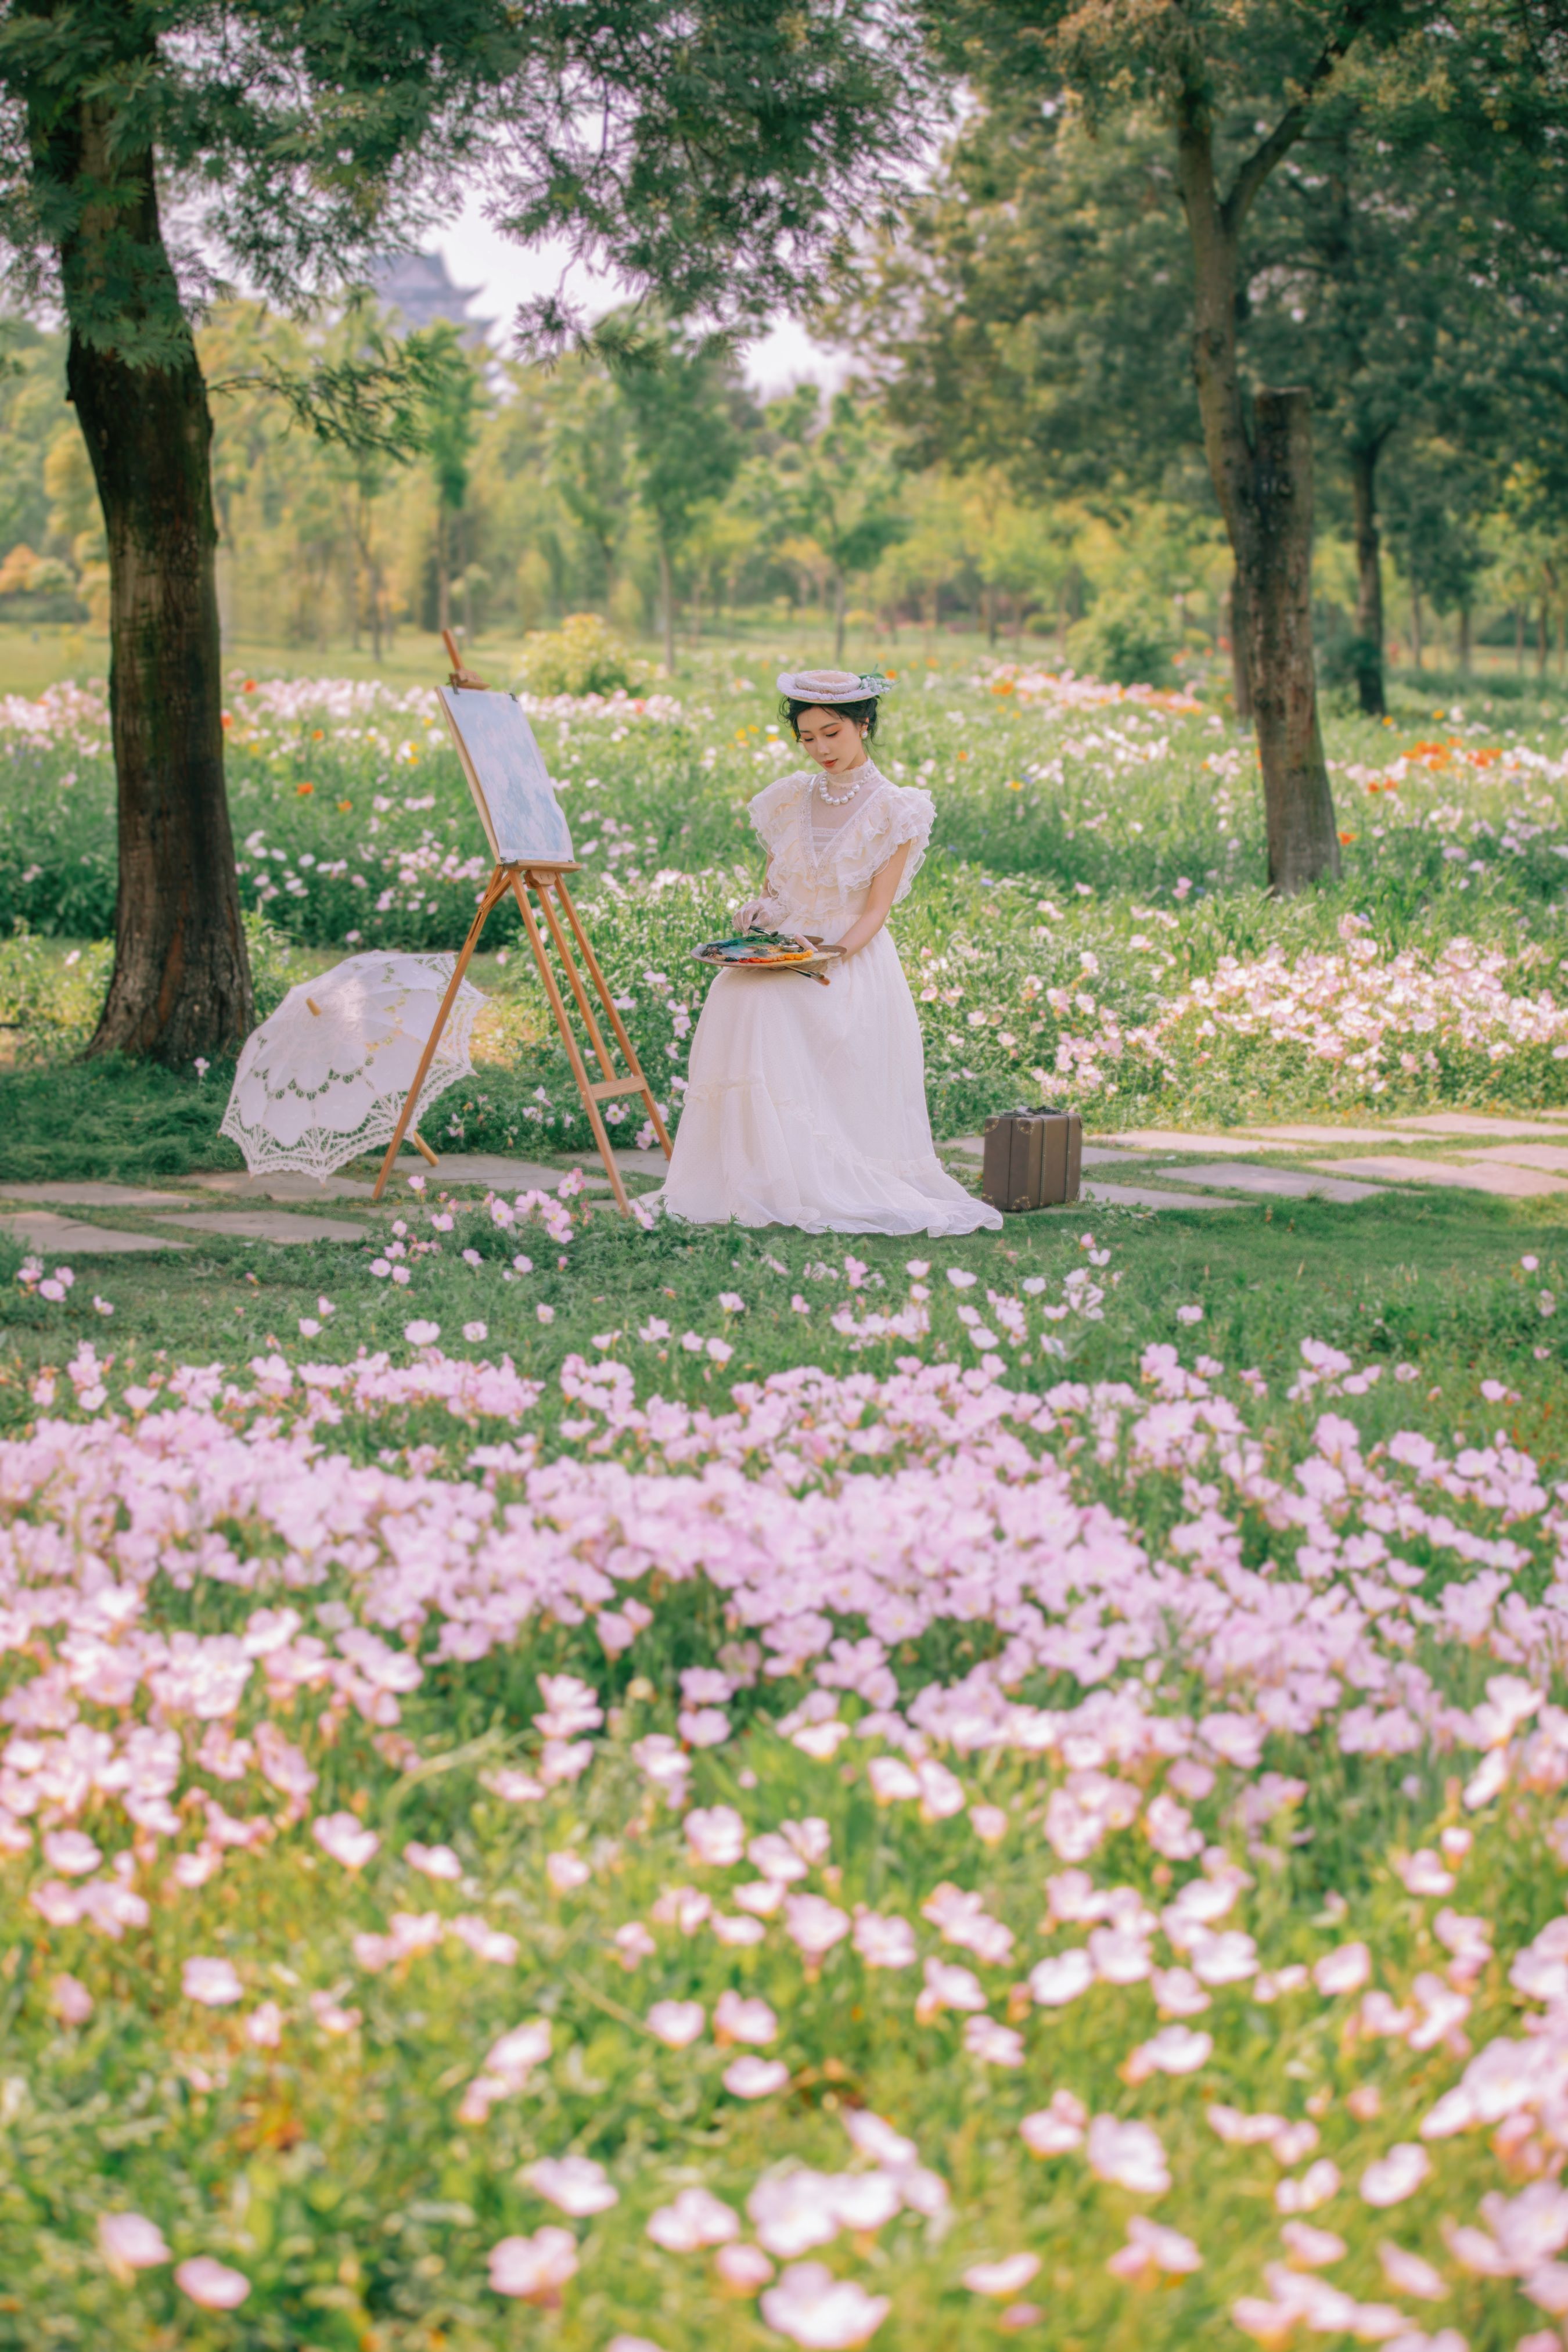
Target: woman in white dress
(806,1105)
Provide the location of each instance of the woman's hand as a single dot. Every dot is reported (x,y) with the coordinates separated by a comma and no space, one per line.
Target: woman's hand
(751,916)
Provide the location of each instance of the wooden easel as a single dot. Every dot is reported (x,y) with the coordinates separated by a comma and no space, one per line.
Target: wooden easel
(548,886)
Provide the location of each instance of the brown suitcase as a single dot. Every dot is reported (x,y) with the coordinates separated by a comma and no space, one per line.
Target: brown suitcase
(1034,1159)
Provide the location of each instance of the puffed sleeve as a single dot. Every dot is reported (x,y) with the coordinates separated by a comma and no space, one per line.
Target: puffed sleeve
(774,810)
(902,815)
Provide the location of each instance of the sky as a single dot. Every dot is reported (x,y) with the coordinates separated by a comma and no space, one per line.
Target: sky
(507,273)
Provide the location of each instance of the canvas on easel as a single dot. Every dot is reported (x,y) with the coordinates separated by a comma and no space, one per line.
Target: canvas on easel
(532,844)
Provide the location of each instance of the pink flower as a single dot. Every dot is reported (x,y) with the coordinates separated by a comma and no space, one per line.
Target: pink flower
(212,2284)
(212,1982)
(435,1861)
(566,1871)
(1344,1969)
(1316,2186)
(1054,1982)
(264,2026)
(821,2313)
(71,1853)
(576,2183)
(1407,2274)
(1189,1313)
(1002,2279)
(1396,2175)
(676,2024)
(756,2078)
(70,1999)
(716,1837)
(738,2020)
(1310,2248)
(1057,2129)
(345,1838)
(1130,2154)
(743,2267)
(535,2269)
(885,1942)
(422,1335)
(1152,2248)
(129,2242)
(696,2219)
(1175,2049)
(814,1924)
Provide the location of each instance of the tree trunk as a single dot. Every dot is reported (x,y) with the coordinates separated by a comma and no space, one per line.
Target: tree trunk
(443,570)
(1240,672)
(1416,642)
(1368,650)
(666,607)
(1265,495)
(1465,654)
(180,985)
(988,610)
(1540,641)
(838,614)
(1519,639)
(1299,809)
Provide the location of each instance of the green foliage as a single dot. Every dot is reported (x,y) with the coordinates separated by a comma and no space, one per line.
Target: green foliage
(581,657)
(1126,639)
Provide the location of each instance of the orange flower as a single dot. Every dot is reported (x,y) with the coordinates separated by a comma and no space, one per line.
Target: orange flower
(250,687)
(226,719)
(343,807)
(318,735)
(1347,838)
(304,788)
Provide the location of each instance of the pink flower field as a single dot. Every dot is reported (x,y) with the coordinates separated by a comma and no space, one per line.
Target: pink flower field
(915,1857)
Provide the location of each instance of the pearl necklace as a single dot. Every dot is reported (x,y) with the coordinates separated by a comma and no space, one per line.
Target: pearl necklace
(837,800)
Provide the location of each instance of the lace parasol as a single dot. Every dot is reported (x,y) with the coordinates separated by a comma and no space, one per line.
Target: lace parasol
(324,1077)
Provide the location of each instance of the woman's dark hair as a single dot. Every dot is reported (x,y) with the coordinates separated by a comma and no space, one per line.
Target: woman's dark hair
(792,708)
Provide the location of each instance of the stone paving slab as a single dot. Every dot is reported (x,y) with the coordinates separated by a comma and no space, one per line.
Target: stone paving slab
(66,1238)
(92,1196)
(268,1225)
(1164,1139)
(629,1161)
(1095,1155)
(281,1187)
(1285,1183)
(1469,1123)
(1552,1157)
(1323,1135)
(1505,1183)
(485,1168)
(1139,1196)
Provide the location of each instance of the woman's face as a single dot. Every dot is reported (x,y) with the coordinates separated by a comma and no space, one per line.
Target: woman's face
(834,741)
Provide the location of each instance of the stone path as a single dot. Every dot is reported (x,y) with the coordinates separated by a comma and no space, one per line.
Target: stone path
(1470,1122)
(56,1236)
(266,1225)
(283,1187)
(1138,1196)
(1282,1184)
(91,1196)
(1495,1176)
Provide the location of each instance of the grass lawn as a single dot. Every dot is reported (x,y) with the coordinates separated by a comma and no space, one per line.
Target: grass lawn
(571,1785)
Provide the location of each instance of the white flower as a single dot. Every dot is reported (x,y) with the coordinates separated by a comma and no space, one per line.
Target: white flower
(1396,2175)
(1130,2154)
(536,2268)
(422,1335)
(576,2183)
(212,1982)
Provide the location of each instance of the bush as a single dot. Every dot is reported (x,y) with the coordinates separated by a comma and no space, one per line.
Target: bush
(581,657)
(1124,643)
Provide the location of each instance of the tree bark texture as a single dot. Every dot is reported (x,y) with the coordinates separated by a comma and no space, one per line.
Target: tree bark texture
(1369,581)
(838,614)
(1240,673)
(667,606)
(180,985)
(1263,483)
(1299,810)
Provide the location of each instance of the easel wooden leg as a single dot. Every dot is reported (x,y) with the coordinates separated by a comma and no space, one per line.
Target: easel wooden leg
(495,892)
(557,1005)
(618,1025)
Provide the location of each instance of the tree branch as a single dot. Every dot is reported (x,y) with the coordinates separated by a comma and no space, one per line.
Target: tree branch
(1255,170)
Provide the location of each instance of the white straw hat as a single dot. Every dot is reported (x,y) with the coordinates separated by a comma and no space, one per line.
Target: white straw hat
(828,687)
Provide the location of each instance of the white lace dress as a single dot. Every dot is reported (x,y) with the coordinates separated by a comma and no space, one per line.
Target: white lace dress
(807,1105)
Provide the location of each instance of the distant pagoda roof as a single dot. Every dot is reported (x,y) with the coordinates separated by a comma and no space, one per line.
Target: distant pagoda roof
(418,287)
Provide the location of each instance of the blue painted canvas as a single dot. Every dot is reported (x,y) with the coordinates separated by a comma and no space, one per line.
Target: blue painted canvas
(524,821)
